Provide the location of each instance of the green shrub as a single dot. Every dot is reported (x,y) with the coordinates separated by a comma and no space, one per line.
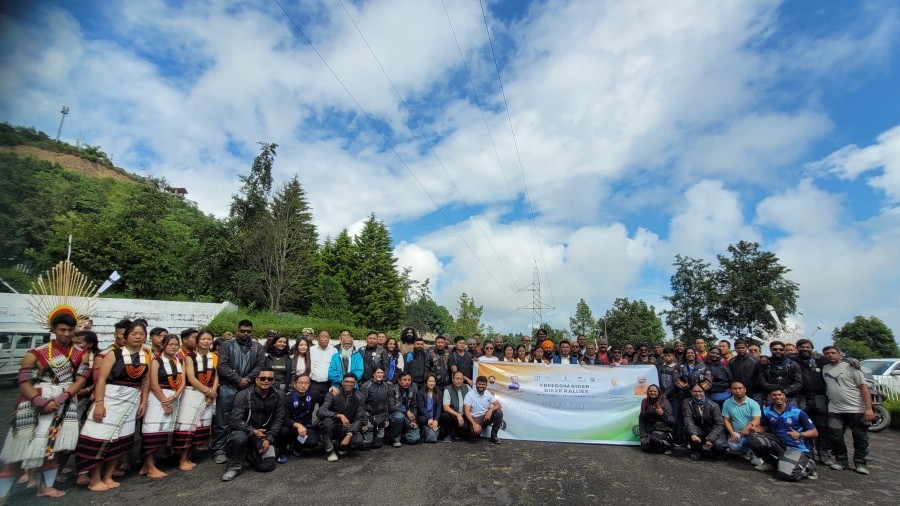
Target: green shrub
(287,324)
(894,408)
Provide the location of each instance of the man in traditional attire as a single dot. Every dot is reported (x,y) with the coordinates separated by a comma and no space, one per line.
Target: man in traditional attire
(45,420)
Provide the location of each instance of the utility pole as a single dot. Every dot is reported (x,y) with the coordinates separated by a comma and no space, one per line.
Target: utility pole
(537,307)
(64,112)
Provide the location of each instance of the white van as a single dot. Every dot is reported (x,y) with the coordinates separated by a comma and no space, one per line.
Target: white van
(14,344)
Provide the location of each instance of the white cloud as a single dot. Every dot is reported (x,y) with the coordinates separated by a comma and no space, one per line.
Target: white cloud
(423,262)
(802,210)
(851,162)
(706,221)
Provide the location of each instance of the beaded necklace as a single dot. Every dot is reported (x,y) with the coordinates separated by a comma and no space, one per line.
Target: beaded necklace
(50,355)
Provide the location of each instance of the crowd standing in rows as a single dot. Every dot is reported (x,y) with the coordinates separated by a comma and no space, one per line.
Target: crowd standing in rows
(256,404)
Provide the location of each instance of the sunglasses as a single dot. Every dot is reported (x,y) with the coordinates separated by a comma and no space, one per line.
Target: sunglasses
(777,349)
(244,331)
(266,379)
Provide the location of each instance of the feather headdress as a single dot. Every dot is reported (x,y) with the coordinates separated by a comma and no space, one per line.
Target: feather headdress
(62,289)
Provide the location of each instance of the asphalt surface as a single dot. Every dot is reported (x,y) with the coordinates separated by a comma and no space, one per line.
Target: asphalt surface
(512,473)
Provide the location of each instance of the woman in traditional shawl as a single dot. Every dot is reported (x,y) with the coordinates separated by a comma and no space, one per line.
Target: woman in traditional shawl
(166,385)
(120,398)
(194,424)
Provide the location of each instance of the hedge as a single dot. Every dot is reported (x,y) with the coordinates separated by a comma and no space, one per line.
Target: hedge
(287,324)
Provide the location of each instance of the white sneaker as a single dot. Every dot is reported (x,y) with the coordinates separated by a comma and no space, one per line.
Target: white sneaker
(755,461)
(332,457)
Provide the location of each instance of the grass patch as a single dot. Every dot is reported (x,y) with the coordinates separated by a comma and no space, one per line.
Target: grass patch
(287,324)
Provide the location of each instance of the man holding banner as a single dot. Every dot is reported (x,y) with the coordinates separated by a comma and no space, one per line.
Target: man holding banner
(482,408)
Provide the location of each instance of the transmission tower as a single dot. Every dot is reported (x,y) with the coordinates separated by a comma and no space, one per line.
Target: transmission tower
(64,111)
(536,307)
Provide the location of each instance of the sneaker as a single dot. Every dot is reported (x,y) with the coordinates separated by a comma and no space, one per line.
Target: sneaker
(495,440)
(342,452)
(755,461)
(812,476)
(695,456)
(862,469)
(296,453)
(667,452)
(230,475)
(448,439)
(765,466)
(827,461)
(220,458)
(332,457)
(282,459)
(839,466)
(396,444)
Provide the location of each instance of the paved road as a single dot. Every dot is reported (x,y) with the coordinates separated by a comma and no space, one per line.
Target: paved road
(514,473)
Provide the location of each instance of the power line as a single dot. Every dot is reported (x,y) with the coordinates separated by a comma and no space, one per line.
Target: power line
(518,155)
(430,145)
(391,146)
(487,128)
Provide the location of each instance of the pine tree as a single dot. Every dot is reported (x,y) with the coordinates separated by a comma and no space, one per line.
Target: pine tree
(375,289)
(468,317)
(252,201)
(285,253)
(583,322)
(329,300)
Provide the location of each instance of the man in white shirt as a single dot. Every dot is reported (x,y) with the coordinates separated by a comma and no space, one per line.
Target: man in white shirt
(482,408)
(319,361)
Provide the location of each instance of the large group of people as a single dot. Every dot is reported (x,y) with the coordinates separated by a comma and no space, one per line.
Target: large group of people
(759,407)
(255,404)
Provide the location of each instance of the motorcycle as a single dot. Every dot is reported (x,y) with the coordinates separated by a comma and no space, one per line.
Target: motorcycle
(882,415)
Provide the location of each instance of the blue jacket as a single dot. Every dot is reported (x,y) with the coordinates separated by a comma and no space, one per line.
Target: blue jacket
(558,360)
(336,368)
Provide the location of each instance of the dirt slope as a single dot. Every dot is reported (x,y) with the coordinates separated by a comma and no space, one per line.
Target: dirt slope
(70,162)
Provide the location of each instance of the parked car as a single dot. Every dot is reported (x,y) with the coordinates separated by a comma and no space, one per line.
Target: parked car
(881,366)
(14,344)
(886,373)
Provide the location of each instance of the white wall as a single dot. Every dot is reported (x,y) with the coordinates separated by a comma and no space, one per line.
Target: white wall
(15,314)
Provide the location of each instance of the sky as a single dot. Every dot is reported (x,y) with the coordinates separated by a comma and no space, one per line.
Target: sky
(592,140)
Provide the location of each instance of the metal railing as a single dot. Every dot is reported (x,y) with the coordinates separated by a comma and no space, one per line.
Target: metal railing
(889,387)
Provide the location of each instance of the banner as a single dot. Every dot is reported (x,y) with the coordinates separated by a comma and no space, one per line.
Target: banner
(569,403)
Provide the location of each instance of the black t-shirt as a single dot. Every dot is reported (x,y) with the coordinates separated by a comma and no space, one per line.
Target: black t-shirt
(462,362)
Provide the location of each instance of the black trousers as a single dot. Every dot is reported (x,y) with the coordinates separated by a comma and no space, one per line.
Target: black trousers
(838,423)
(766,446)
(816,406)
(287,439)
(333,430)
(450,426)
(246,448)
(658,440)
(495,421)
(718,447)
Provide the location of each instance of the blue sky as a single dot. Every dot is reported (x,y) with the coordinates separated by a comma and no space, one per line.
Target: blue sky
(643,129)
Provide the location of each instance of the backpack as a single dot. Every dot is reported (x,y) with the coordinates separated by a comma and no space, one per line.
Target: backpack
(793,465)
